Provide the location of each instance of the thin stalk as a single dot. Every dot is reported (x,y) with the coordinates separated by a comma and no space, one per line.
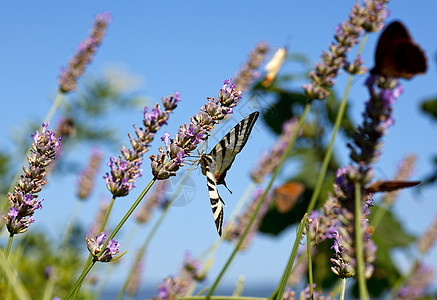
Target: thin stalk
(310,264)
(102,227)
(359,244)
(343,288)
(148,240)
(70,225)
(252,219)
(242,201)
(338,119)
(277,294)
(12,278)
(322,173)
(114,232)
(80,280)
(221,298)
(7,251)
(54,107)
(48,290)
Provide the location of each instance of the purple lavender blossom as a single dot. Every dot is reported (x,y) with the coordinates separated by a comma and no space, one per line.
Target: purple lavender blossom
(66,128)
(306,294)
(165,164)
(356,67)
(23,201)
(87,48)
(126,168)
(270,160)
(429,238)
(421,277)
(87,177)
(365,151)
(233,230)
(324,225)
(172,288)
(95,247)
(191,269)
(177,287)
(248,72)
(368,18)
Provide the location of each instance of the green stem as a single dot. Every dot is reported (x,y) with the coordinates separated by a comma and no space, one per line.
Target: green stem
(114,232)
(221,298)
(54,107)
(80,279)
(252,219)
(281,287)
(242,201)
(7,251)
(322,173)
(51,282)
(343,288)
(102,227)
(338,119)
(73,218)
(14,286)
(359,244)
(9,245)
(148,240)
(310,264)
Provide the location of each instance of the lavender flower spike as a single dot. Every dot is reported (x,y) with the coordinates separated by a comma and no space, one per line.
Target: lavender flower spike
(95,247)
(368,18)
(86,179)
(166,163)
(365,150)
(126,168)
(23,201)
(76,66)
(248,72)
(421,277)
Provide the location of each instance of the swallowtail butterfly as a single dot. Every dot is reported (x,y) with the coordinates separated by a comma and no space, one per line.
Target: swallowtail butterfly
(219,160)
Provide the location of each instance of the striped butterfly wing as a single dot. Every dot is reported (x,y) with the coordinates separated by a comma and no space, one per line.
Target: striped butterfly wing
(216,164)
(232,143)
(208,169)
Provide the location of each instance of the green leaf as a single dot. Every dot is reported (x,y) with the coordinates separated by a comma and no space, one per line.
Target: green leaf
(430,107)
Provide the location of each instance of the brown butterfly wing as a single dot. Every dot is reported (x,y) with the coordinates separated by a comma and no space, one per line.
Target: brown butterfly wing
(389,186)
(397,55)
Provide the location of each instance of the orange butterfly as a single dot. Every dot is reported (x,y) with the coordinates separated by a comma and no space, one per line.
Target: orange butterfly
(286,195)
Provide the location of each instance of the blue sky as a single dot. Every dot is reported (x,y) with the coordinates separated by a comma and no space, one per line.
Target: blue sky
(191,47)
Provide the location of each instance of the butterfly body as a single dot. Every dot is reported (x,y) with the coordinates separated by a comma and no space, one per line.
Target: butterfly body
(216,164)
